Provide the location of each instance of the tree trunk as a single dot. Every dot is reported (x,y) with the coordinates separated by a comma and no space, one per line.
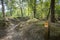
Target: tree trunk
(10,11)
(21,8)
(21,12)
(28,7)
(3,11)
(34,8)
(52,11)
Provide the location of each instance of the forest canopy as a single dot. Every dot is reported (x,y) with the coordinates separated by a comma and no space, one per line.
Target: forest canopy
(28,8)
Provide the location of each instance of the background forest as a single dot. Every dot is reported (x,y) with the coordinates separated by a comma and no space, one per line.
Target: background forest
(28,8)
(29,19)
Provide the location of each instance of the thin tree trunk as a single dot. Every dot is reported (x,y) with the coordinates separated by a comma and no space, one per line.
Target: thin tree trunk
(11,11)
(34,9)
(28,11)
(21,8)
(21,12)
(52,10)
(3,10)
(28,7)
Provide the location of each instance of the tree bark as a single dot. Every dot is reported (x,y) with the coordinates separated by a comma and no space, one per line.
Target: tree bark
(21,12)
(52,11)
(21,8)
(3,10)
(34,8)
(11,11)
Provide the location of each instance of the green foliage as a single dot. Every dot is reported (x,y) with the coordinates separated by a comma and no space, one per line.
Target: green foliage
(17,8)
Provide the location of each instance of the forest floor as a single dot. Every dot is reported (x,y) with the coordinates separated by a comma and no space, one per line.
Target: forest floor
(28,29)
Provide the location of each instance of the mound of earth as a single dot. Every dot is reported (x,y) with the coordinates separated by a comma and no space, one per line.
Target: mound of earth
(31,29)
